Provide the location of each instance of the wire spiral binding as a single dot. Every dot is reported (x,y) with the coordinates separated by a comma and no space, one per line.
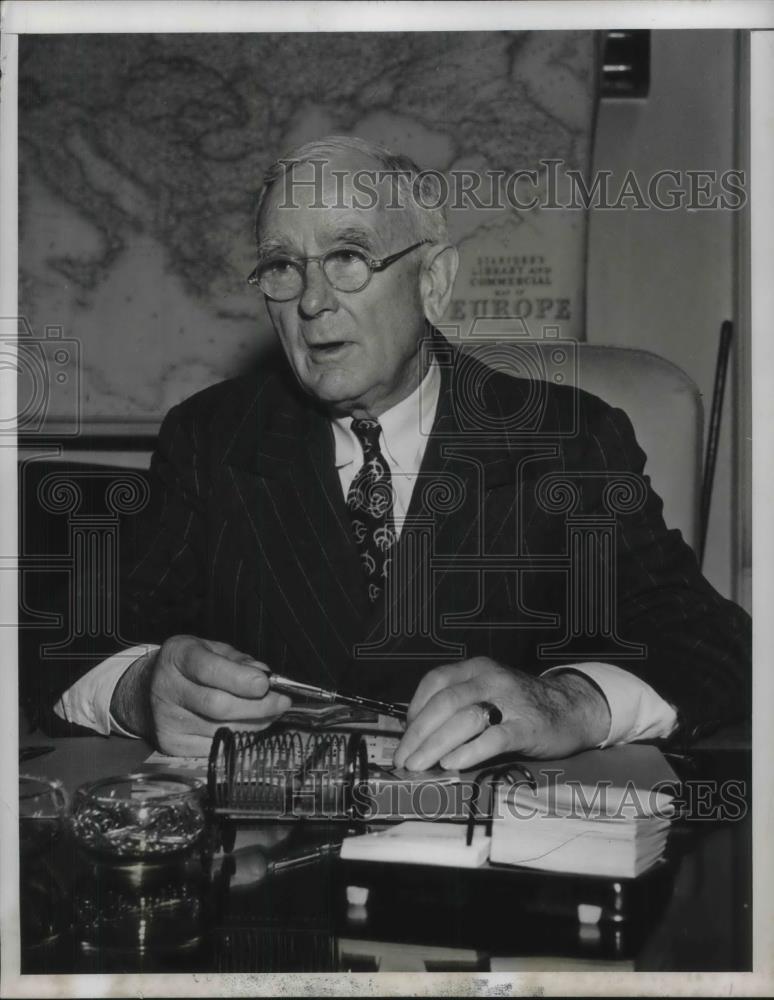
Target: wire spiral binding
(286,775)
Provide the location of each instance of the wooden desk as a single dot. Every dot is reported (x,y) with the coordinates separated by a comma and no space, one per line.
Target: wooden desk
(300,921)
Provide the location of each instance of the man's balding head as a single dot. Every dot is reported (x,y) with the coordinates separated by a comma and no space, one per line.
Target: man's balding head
(325,205)
(404,184)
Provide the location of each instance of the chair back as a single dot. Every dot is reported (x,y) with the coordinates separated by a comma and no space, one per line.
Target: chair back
(665,408)
(661,401)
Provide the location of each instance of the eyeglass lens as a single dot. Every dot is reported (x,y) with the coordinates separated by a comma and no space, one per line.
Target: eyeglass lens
(346,270)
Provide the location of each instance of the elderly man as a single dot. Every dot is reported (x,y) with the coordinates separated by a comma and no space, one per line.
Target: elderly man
(351,518)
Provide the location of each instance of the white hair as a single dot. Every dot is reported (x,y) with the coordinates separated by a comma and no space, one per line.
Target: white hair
(421,192)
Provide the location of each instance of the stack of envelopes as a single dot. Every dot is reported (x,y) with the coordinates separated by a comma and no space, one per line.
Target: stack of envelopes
(590,829)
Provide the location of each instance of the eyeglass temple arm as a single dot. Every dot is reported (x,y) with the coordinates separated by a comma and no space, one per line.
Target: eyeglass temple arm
(379,263)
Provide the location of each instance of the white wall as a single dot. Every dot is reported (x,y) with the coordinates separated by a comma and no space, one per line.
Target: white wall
(665,280)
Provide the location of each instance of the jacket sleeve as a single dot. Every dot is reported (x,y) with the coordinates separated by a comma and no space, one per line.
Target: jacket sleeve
(695,646)
(162,586)
(156,592)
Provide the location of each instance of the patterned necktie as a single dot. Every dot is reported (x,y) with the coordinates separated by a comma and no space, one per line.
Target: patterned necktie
(370,506)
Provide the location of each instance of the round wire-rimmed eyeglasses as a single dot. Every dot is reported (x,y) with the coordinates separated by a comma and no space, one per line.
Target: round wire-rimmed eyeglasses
(346,269)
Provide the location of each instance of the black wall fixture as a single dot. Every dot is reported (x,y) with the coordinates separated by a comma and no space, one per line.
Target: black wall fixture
(625,64)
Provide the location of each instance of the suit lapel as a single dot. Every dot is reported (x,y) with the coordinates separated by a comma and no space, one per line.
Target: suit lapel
(459,469)
(310,576)
(443,517)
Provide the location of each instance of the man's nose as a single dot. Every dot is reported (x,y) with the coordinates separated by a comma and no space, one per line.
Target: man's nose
(318,295)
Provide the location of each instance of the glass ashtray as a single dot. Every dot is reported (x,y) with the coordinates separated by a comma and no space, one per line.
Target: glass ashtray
(42,806)
(138,815)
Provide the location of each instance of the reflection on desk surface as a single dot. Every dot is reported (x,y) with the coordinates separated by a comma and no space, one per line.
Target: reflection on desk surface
(267,909)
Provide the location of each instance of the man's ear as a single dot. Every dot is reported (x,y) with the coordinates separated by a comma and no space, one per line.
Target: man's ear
(437,280)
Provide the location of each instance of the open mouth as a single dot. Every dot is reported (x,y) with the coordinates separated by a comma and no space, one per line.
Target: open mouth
(328,349)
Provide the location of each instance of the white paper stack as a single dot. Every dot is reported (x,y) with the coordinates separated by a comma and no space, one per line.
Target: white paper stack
(619,833)
(420,843)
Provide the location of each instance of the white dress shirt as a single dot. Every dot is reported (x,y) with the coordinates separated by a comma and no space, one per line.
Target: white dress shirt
(636,710)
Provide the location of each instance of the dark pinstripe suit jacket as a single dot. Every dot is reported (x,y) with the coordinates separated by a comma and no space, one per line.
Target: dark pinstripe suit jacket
(509,549)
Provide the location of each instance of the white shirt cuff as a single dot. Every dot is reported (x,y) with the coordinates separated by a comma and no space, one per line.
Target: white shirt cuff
(637,712)
(87,702)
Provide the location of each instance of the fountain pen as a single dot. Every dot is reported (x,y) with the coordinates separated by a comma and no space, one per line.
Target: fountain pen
(286,685)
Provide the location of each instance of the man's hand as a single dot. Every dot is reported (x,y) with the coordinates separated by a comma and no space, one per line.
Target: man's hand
(177,697)
(546,717)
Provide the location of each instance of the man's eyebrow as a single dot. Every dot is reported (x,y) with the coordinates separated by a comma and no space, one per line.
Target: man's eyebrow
(353,234)
(271,246)
(358,235)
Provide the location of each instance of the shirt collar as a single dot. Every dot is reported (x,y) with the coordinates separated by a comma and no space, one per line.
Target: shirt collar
(405,426)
